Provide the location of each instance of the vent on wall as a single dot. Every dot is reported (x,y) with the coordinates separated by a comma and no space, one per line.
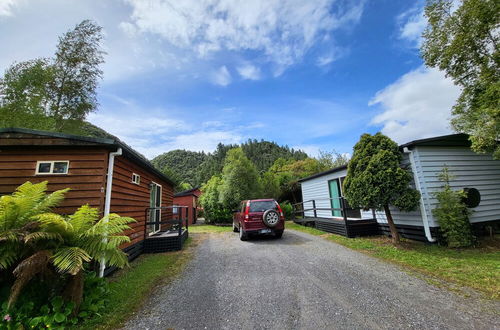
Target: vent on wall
(472,197)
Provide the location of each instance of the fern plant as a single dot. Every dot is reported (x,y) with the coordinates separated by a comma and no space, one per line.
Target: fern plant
(39,242)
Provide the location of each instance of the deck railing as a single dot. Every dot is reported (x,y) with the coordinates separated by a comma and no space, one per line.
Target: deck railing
(177,220)
(344,209)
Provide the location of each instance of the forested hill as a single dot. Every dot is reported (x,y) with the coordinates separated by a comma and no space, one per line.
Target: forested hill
(196,168)
(180,165)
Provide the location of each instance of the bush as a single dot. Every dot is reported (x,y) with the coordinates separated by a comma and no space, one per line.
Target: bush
(287,209)
(42,306)
(452,214)
(38,246)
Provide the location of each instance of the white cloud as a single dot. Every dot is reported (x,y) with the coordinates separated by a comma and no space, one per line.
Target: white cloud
(249,71)
(412,24)
(6,7)
(222,76)
(283,30)
(417,105)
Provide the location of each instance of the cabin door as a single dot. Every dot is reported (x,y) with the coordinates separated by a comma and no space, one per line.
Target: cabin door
(155,201)
(334,187)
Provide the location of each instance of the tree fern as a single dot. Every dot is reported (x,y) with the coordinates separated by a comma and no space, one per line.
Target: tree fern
(34,238)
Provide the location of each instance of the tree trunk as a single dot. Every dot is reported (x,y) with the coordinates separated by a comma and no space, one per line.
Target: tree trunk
(394,231)
(74,290)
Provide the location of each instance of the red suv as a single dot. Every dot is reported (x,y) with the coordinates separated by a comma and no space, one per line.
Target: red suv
(259,216)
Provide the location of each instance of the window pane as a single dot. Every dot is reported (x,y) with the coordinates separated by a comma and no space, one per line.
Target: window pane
(262,206)
(60,167)
(44,168)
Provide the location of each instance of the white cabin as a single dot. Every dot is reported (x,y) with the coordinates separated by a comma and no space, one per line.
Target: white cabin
(426,159)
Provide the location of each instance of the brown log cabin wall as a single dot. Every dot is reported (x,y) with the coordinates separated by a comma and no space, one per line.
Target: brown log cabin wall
(131,200)
(86,174)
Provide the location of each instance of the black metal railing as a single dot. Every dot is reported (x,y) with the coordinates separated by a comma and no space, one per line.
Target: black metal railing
(345,210)
(175,216)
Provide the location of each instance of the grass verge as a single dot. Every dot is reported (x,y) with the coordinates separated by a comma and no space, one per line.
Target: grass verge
(477,268)
(209,229)
(130,287)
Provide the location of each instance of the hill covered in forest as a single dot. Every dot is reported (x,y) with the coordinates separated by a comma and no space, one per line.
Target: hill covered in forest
(196,168)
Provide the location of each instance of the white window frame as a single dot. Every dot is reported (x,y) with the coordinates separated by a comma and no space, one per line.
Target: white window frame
(138,177)
(51,167)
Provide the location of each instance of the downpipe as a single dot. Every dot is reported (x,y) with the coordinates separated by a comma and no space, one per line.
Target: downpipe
(107,199)
(425,220)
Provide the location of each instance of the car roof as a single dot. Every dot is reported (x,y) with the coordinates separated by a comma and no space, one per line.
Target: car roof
(262,200)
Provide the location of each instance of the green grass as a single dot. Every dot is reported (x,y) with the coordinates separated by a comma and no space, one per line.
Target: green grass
(130,287)
(209,229)
(477,268)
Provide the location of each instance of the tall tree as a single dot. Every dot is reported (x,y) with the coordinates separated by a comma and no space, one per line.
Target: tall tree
(55,93)
(77,72)
(463,40)
(375,178)
(240,179)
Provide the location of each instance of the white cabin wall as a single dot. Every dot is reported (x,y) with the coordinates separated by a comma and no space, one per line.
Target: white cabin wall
(318,190)
(470,170)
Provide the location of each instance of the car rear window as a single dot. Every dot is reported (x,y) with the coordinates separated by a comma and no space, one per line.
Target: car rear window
(262,206)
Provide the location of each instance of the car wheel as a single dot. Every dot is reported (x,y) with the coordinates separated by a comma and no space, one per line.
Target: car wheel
(243,235)
(271,218)
(235,228)
(278,234)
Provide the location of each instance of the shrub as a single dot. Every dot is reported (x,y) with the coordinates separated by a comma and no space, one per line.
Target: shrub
(287,209)
(37,244)
(41,308)
(452,214)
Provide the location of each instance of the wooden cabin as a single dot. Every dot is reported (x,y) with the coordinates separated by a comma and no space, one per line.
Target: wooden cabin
(426,159)
(104,173)
(189,199)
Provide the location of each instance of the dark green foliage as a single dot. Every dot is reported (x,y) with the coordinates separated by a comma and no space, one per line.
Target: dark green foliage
(180,165)
(376,180)
(375,177)
(197,168)
(55,94)
(240,179)
(42,306)
(465,44)
(452,214)
(287,209)
(264,153)
(214,211)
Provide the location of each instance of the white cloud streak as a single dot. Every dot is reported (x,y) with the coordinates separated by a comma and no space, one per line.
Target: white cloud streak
(283,30)
(249,72)
(221,77)
(417,105)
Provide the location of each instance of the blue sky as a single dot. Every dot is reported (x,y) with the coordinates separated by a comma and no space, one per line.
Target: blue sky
(188,74)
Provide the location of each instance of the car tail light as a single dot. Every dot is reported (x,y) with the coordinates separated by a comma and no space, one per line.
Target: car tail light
(279,209)
(247,210)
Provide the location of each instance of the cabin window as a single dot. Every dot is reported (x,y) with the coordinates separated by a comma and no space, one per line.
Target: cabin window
(136,178)
(52,167)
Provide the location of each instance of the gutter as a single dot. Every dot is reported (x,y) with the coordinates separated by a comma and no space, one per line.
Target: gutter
(107,200)
(425,220)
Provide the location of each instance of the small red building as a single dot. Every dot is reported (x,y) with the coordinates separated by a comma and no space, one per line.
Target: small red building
(189,198)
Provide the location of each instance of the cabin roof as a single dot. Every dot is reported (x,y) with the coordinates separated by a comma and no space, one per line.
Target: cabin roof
(452,140)
(109,143)
(187,192)
(317,175)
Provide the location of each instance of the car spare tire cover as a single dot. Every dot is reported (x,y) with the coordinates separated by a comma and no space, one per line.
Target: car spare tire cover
(271,218)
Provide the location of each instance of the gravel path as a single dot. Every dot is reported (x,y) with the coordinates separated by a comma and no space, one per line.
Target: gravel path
(303,282)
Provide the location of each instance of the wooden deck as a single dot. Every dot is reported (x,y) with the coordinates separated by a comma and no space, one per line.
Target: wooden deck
(348,228)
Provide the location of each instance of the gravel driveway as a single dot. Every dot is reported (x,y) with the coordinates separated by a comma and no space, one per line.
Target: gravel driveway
(303,282)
